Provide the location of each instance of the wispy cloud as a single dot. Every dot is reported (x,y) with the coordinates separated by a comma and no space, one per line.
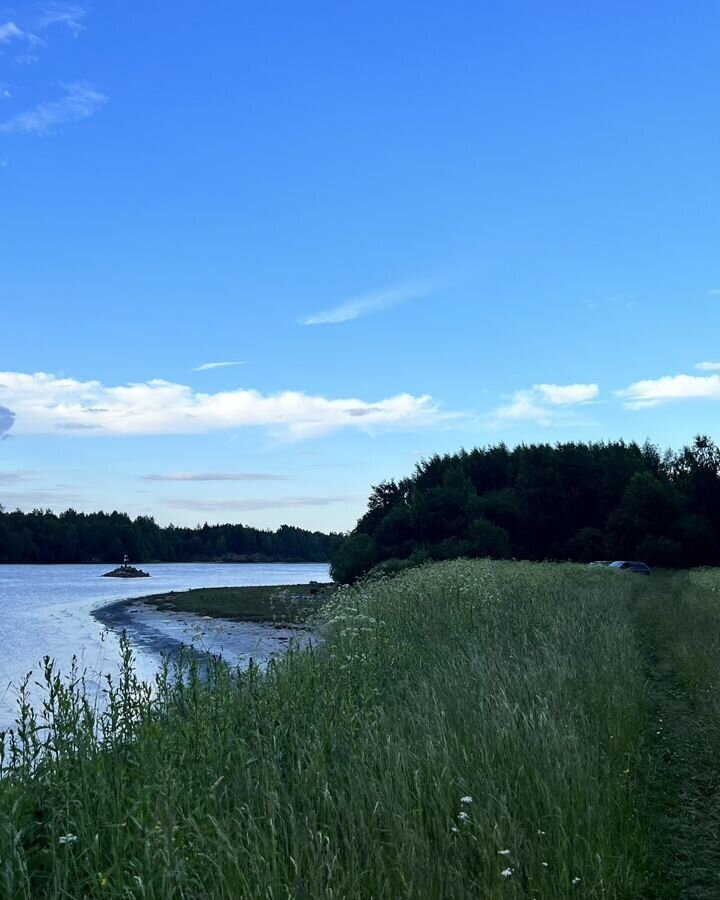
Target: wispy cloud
(9,31)
(544,403)
(216,476)
(81,101)
(68,14)
(250,505)
(714,292)
(218,365)
(16,476)
(44,402)
(708,366)
(370,303)
(40,498)
(654,392)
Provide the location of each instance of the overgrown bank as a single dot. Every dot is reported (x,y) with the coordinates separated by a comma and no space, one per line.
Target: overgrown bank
(570,501)
(467,729)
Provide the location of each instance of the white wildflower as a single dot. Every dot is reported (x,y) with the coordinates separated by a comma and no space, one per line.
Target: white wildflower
(575,881)
(466,799)
(454,829)
(507,873)
(67,839)
(545,865)
(463,816)
(504,852)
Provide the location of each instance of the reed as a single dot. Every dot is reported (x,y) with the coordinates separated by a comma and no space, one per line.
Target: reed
(464,729)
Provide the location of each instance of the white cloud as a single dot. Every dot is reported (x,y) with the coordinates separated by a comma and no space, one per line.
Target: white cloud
(67,14)
(217,365)
(544,403)
(215,476)
(44,403)
(80,102)
(708,366)
(714,292)
(566,394)
(369,303)
(653,392)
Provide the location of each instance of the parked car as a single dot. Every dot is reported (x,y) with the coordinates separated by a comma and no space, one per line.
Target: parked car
(628,565)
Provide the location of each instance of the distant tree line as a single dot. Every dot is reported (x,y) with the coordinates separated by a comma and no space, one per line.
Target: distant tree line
(42,536)
(571,501)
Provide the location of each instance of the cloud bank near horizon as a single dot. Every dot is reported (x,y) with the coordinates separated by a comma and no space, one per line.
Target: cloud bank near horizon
(215,476)
(43,403)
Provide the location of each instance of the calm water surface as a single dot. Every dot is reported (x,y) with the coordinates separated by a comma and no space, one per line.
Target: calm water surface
(57,611)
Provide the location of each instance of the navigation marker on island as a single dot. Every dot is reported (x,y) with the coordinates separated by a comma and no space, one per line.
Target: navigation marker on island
(126,571)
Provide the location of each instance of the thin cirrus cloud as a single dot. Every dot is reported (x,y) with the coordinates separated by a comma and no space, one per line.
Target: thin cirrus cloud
(708,366)
(205,367)
(215,476)
(670,388)
(81,101)
(369,303)
(34,499)
(544,403)
(9,31)
(16,476)
(68,14)
(42,403)
(250,505)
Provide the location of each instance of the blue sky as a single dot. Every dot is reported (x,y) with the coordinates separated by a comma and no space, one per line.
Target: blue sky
(408,227)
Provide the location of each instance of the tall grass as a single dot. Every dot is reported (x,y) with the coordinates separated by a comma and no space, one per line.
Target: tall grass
(467,729)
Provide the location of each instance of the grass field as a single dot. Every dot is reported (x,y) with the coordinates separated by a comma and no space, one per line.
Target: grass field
(465,730)
(279,604)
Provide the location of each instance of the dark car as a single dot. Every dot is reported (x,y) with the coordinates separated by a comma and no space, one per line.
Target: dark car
(628,565)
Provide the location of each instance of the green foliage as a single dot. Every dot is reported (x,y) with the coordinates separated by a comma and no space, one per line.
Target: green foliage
(565,501)
(73,537)
(354,557)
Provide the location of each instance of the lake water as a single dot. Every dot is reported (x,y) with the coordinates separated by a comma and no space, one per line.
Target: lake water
(66,611)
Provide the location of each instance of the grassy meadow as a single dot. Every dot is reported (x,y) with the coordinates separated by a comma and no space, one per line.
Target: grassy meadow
(466,729)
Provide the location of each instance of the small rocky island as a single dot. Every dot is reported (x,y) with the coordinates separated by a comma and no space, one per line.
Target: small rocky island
(126,571)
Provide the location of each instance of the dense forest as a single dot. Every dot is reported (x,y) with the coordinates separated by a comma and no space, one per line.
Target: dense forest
(75,537)
(569,501)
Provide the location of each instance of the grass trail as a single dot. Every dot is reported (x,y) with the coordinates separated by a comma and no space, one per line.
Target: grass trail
(678,626)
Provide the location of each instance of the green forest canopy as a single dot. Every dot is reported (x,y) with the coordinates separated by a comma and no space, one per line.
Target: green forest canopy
(74,537)
(571,501)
